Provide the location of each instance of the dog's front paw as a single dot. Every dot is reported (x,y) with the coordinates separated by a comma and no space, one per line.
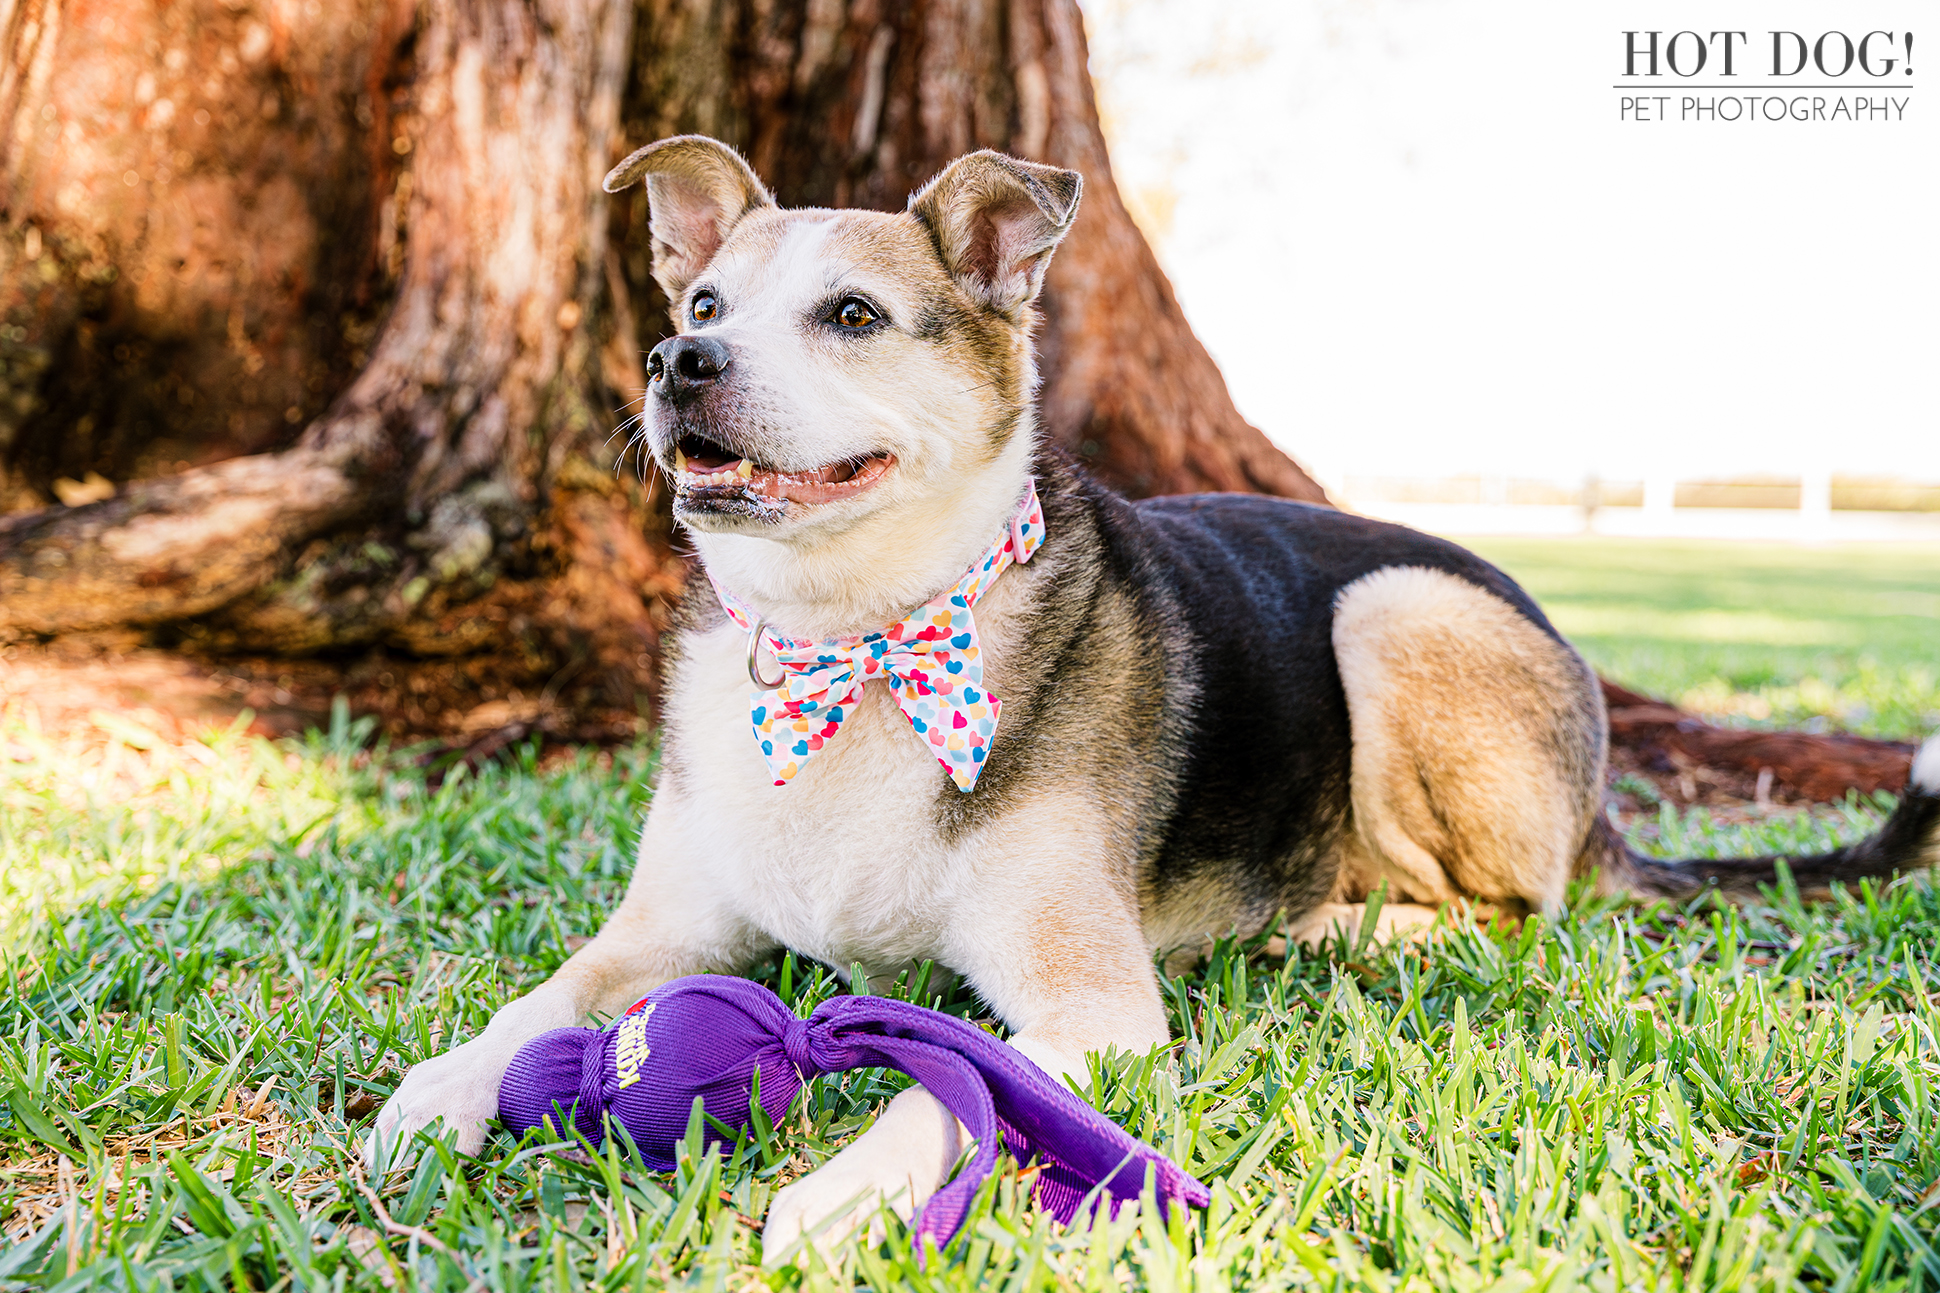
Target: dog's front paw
(898,1163)
(460,1087)
(827,1206)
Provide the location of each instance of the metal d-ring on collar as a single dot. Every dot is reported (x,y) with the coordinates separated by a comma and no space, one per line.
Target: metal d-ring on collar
(754,665)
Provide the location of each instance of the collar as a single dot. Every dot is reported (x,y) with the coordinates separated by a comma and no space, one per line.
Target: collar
(931,658)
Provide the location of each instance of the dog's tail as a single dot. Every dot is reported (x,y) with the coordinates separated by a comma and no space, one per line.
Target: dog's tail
(1908,842)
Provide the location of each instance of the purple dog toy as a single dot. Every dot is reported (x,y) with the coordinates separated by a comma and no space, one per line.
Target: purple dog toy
(707,1036)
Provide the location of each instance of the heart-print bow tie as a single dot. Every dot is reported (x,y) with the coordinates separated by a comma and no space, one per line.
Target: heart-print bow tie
(932,659)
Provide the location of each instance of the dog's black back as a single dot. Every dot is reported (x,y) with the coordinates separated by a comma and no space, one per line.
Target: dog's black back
(1262,785)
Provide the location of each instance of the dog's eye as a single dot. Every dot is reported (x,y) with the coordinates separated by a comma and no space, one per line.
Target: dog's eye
(704,307)
(854,312)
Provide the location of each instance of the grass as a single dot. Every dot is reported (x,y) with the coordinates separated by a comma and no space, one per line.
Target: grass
(1843,638)
(219,959)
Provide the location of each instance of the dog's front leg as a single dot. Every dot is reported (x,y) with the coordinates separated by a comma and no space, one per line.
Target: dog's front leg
(899,1162)
(670,923)
(1060,956)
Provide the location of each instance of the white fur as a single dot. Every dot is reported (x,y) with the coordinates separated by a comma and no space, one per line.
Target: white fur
(847,864)
(844,864)
(1926,766)
(852,566)
(898,1163)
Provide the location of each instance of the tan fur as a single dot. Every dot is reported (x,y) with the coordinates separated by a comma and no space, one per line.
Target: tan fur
(1042,889)
(1332,921)
(1061,955)
(1478,750)
(996,221)
(1190,916)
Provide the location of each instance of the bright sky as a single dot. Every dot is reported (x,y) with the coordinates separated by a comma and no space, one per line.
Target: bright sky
(1419,240)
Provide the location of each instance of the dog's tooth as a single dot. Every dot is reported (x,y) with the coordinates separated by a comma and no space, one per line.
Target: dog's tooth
(745,469)
(680,459)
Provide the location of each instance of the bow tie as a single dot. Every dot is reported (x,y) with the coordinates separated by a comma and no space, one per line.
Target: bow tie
(931,659)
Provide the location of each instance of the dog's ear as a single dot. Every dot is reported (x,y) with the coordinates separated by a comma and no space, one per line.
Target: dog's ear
(996,221)
(697,191)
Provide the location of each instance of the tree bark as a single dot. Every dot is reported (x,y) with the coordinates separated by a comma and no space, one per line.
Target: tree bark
(328,303)
(444,503)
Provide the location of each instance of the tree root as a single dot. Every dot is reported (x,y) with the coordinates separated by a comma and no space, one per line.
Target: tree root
(1691,760)
(168,548)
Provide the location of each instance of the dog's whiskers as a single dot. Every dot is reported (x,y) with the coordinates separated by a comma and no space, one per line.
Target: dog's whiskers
(635,428)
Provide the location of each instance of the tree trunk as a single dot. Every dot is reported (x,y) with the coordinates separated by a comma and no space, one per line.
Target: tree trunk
(320,321)
(860,105)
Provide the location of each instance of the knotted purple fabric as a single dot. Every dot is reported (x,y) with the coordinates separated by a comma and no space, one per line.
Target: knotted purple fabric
(708,1036)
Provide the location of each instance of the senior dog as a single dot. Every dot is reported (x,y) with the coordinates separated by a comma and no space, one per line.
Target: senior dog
(942,697)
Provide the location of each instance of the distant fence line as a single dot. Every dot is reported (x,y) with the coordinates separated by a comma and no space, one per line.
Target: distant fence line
(1791,493)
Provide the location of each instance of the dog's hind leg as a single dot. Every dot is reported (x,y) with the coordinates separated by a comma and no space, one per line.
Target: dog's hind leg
(1332,921)
(1478,741)
(668,925)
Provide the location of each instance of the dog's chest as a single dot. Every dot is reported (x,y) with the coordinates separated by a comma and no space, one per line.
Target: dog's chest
(844,863)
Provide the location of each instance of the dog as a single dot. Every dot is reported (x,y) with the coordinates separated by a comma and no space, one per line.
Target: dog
(1157,722)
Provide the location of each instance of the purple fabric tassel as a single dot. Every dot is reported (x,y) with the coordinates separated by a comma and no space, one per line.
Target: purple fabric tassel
(707,1036)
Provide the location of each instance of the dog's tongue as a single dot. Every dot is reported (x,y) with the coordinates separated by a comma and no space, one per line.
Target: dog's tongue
(824,484)
(817,485)
(834,473)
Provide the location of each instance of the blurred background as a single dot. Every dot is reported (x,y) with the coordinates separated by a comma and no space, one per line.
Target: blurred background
(1435,265)
(1676,377)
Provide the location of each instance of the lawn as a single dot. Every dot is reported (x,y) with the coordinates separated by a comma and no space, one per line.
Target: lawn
(1842,638)
(219,959)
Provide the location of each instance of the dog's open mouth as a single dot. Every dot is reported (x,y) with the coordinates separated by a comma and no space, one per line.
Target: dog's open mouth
(702,467)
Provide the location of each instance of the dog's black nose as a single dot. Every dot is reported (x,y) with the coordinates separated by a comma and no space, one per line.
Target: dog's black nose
(680,365)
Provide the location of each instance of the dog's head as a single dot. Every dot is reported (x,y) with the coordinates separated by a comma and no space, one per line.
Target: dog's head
(837,366)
